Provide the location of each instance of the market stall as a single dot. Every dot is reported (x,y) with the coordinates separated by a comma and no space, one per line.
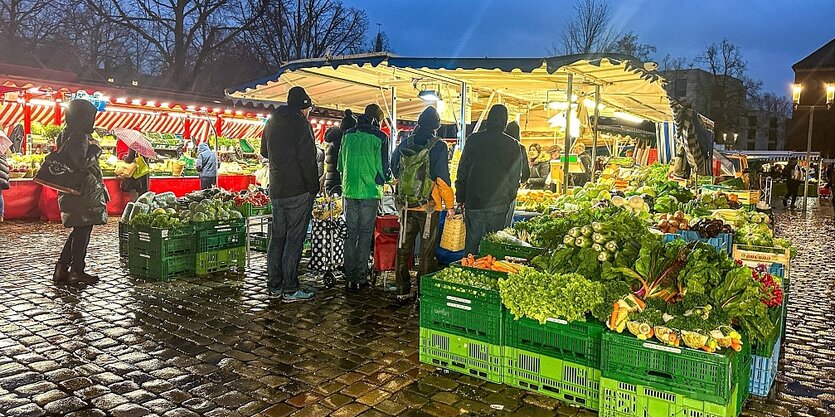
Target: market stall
(556,100)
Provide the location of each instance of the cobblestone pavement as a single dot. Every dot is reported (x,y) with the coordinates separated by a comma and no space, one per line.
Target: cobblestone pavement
(220,347)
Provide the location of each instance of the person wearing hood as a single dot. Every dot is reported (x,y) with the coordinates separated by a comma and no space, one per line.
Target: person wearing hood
(80,212)
(333,139)
(289,145)
(513,130)
(442,197)
(489,175)
(206,165)
(363,163)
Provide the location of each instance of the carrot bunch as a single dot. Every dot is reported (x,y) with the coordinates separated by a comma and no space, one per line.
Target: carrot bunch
(490,263)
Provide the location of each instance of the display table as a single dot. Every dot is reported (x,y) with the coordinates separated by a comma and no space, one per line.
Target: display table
(21,200)
(28,200)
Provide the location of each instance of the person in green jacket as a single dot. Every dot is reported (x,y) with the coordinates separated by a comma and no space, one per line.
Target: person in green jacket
(364,165)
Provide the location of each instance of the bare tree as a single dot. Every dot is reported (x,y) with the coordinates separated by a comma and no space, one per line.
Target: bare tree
(183,34)
(728,87)
(774,104)
(590,30)
(291,30)
(628,44)
(24,24)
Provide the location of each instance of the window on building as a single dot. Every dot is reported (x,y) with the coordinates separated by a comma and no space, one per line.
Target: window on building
(773,123)
(752,135)
(772,146)
(752,121)
(752,145)
(681,87)
(772,135)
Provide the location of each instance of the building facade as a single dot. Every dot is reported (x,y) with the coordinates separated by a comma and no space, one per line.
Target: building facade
(813,73)
(762,131)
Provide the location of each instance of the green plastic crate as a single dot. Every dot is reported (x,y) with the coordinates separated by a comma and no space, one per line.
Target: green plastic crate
(220,261)
(161,243)
(163,269)
(622,399)
(221,235)
(471,312)
(259,241)
(694,373)
(124,240)
(504,250)
(568,382)
(576,342)
(249,210)
(461,354)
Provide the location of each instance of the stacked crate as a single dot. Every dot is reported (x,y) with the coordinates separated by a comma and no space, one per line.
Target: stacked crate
(221,246)
(161,254)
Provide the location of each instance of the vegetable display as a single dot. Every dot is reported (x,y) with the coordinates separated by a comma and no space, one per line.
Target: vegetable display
(467,277)
(490,263)
(541,296)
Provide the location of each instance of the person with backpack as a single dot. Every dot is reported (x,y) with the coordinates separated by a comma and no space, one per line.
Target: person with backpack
(794,176)
(363,163)
(420,164)
(488,177)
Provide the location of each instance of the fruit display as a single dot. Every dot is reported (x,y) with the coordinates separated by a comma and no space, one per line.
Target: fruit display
(535,200)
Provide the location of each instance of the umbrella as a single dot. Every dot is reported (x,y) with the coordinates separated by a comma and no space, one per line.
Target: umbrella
(136,141)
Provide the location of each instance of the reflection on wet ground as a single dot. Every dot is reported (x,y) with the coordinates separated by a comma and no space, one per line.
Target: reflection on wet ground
(219,347)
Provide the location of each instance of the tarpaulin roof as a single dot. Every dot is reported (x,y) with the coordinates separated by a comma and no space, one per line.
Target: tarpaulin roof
(525,85)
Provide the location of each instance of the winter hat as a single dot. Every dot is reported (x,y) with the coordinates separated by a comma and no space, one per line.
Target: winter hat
(374,112)
(429,119)
(298,98)
(513,130)
(348,122)
(81,116)
(496,118)
(333,134)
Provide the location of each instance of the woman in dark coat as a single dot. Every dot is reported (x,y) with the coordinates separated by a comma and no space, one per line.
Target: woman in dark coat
(333,137)
(80,212)
(135,186)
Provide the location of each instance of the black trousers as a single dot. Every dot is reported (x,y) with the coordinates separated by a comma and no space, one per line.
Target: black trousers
(207,182)
(413,226)
(792,187)
(75,249)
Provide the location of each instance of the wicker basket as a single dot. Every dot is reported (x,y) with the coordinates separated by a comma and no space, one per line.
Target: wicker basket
(455,234)
(17,174)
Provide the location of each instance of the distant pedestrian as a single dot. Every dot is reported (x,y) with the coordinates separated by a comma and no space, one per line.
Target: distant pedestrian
(794,176)
(488,177)
(206,165)
(80,212)
(135,186)
(363,163)
(288,143)
(830,183)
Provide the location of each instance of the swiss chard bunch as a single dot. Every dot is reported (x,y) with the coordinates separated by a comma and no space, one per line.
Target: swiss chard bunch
(739,296)
(656,270)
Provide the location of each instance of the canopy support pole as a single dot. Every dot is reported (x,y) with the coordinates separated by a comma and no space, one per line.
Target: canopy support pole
(486,110)
(565,165)
(27,122)
(393,126)
(463,119)
(594,137)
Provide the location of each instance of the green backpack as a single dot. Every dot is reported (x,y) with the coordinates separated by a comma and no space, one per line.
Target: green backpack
(414,186)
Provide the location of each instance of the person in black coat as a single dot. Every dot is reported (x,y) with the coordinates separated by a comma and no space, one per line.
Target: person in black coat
(793,176)
(513,130)
(80,212)
(333,138)
(489,175)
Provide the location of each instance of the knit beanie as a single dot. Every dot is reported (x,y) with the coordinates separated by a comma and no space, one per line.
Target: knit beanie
(298,98)
(348,122)
(429,119)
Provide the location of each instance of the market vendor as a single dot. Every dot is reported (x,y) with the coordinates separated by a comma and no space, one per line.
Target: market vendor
(207,166)
(540,166)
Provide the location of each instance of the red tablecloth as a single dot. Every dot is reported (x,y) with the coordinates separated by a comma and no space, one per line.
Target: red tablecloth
(28,200)
(21,200)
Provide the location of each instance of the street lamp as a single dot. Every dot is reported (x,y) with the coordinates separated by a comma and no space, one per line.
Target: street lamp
(830,94)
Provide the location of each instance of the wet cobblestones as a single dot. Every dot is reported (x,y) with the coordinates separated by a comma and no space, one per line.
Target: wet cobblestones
(220,347)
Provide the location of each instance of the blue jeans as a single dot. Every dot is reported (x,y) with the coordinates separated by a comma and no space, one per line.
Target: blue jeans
(290,219)
(480,222)
(359,216)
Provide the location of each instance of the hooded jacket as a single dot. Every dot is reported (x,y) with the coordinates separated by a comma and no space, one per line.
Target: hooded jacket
(288,143)
(90,207)
(206,163)
(513,130)
(442,193)
(489,172)
(333,181)
(363,161)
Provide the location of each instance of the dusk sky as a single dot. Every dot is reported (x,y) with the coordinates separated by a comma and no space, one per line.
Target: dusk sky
(772,34)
